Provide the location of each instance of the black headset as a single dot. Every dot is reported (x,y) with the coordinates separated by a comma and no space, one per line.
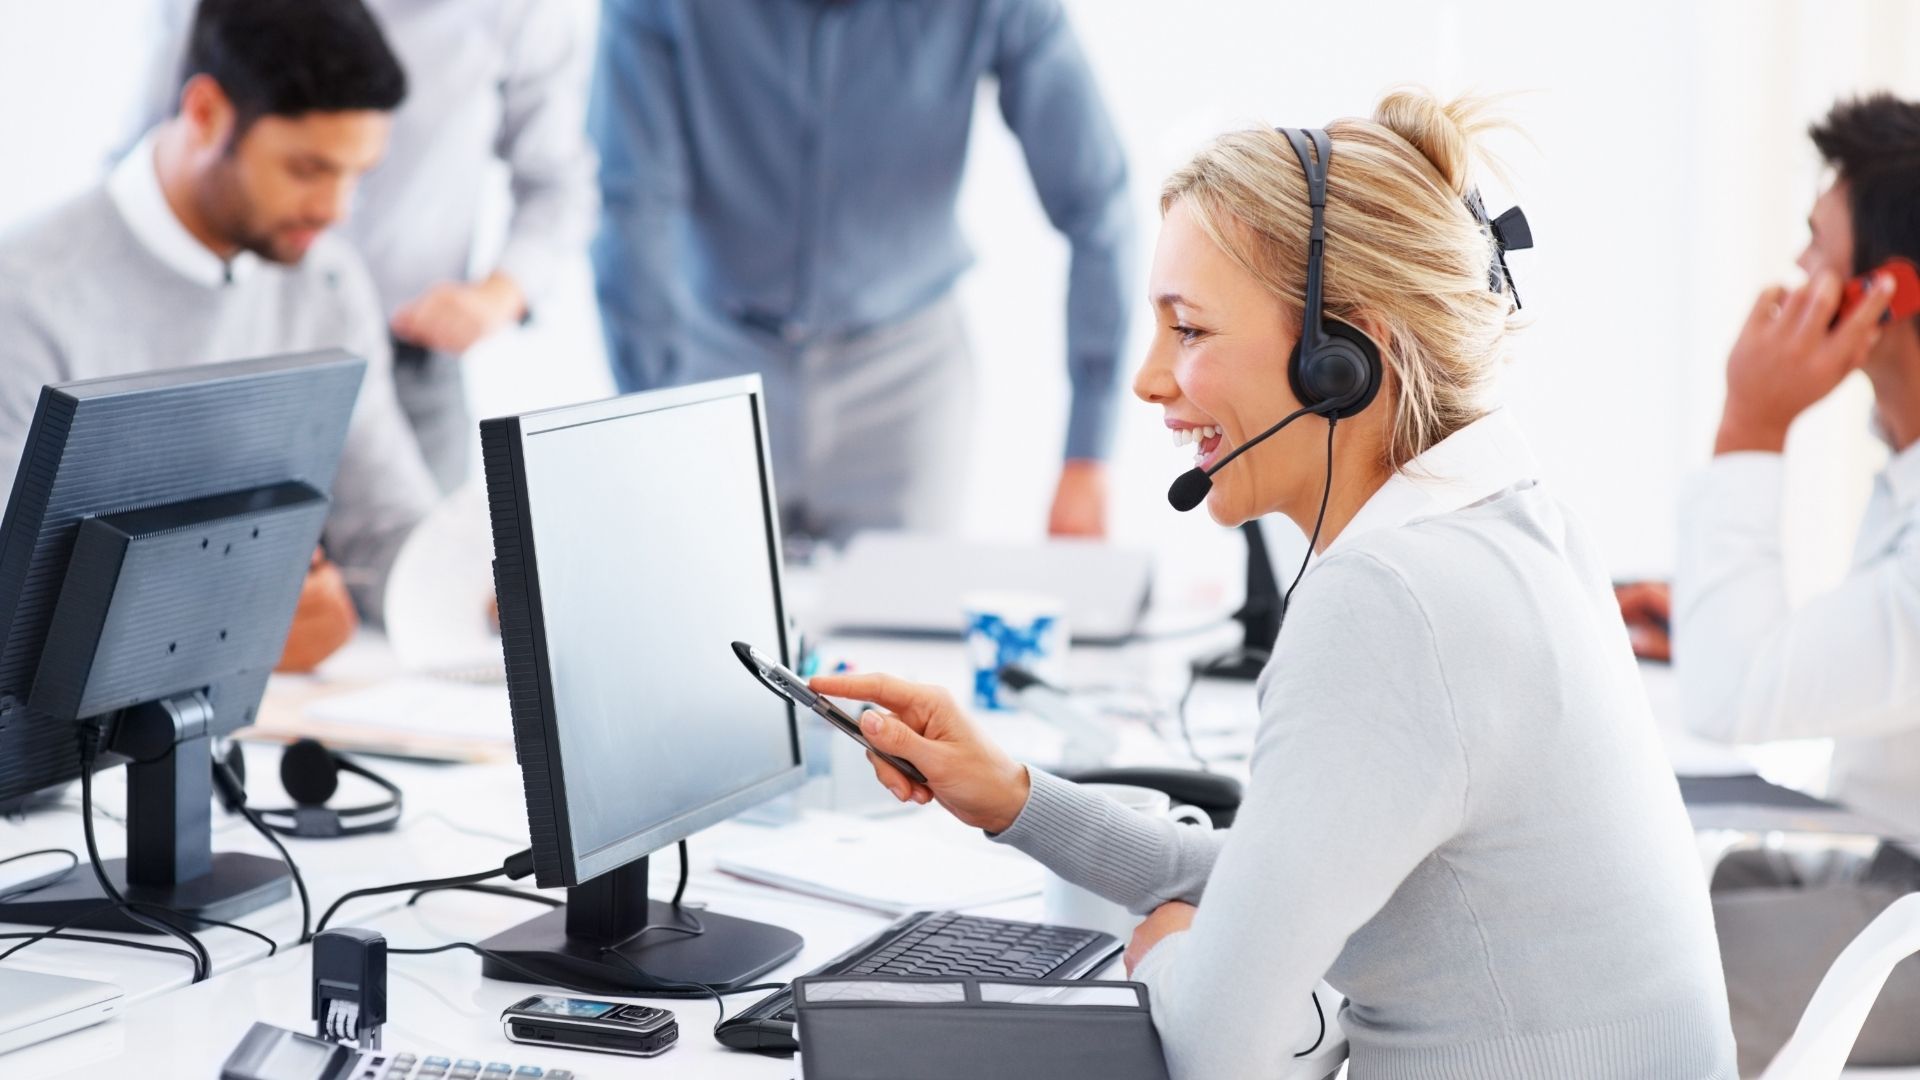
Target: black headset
(1335,367)
(310,773)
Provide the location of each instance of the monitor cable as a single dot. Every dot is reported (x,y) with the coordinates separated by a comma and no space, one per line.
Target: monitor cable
(235,794)
(517,866)
(34,885)
(490,890)
(89,750)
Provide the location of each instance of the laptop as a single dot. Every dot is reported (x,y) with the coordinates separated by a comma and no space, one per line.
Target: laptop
(35,1006)
(916,584)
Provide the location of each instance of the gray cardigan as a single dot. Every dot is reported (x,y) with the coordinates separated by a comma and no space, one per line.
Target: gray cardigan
(1460,816)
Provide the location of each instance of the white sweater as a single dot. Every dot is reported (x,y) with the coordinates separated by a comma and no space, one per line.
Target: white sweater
(1845,665)
(1459,816)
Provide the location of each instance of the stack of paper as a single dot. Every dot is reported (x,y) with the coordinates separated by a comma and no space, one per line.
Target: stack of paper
(886,867)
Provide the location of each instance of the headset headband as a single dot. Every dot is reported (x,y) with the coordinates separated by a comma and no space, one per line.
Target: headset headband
(1510,230)
(1314,164)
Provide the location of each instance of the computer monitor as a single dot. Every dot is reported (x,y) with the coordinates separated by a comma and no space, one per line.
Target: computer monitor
(634,540)
(151,556)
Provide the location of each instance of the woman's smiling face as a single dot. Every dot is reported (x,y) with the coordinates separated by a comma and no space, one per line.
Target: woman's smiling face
(1217,367)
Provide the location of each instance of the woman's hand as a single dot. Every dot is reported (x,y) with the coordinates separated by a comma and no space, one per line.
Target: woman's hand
(1169,918)
(969,775)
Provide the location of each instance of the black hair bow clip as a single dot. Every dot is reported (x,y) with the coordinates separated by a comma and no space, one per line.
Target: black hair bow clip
(1510,232)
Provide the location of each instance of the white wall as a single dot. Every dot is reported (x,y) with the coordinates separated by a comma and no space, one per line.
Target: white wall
(1667,176)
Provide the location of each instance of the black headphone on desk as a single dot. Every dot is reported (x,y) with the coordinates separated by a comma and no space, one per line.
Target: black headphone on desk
(310,773)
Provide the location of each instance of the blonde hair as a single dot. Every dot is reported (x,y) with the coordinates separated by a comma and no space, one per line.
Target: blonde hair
(1401,246)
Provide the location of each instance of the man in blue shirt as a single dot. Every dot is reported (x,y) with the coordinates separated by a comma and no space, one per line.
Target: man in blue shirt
(779,181)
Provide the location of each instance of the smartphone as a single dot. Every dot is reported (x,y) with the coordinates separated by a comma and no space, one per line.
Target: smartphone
(1906,291)
(585,1024)
(792,687)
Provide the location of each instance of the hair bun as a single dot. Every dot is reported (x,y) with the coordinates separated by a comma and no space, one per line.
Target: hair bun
(1444,133)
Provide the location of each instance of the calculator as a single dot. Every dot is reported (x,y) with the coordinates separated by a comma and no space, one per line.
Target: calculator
(271,1053)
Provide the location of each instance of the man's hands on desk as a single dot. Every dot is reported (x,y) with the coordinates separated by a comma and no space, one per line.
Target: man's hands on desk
(1647,607)
(323,620)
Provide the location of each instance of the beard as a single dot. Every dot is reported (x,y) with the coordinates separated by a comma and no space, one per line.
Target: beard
(233,214)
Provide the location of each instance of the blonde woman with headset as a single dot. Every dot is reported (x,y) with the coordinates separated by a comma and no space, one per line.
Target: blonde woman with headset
(1459,814)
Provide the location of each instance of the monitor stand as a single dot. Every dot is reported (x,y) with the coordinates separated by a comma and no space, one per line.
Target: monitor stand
(590,944)
(1259,617)
(170,859)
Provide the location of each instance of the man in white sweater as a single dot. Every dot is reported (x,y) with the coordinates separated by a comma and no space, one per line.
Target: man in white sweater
(1845,665)
(209,242)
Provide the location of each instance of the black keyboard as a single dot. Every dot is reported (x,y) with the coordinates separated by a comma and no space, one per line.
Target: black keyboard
(934,943)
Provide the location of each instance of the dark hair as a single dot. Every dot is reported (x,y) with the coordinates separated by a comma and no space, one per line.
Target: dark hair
(1874,145)
(289,57)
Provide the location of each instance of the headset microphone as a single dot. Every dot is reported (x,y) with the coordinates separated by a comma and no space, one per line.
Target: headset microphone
(1190,488)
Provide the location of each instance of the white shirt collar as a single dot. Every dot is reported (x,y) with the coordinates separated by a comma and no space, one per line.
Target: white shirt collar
(1903,476)
(1474,463)
(134,187)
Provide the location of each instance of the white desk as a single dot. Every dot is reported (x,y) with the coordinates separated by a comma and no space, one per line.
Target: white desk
(461,818)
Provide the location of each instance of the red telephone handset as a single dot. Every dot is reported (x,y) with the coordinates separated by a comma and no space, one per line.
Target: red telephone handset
(1906,291)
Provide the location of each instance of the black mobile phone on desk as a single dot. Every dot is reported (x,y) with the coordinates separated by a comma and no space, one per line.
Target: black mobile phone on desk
(794,688)
(585,1024)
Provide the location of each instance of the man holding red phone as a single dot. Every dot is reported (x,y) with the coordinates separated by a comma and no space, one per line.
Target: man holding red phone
(1846,665)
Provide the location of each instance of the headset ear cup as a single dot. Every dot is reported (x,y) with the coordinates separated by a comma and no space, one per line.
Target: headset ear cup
(309,773)
(1345,369)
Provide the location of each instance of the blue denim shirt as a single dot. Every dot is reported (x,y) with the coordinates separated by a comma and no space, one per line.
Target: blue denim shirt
(795,164)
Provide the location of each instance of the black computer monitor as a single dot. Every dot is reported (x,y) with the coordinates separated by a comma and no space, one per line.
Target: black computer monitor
(634,539)
(151,556)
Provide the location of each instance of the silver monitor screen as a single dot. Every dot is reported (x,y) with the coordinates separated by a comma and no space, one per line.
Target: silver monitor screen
(656,548)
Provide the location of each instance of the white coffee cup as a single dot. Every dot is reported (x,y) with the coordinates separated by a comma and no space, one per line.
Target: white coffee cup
(1068,904)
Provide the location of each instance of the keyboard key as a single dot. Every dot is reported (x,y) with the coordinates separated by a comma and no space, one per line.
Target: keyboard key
(467,1063)
(445,1063)
(559,1074)
(528,1072)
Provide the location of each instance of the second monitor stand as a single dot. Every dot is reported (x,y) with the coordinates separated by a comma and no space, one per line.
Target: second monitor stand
(1259,617)
(612,937)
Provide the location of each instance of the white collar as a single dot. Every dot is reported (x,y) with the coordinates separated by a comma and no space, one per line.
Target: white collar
(1902,474)
(1474,463)
(134,187)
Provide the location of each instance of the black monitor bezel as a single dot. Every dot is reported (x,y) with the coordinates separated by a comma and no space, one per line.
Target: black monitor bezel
(72,438)
(524,641)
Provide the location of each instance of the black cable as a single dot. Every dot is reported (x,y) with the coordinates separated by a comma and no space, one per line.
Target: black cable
(1326,493)
(718,995)
(652,989)
(293,868)
(491,890)
(57,928)
(1322,1037)
(88,749)
(272,946)
(680,890)
(517,865)
(145,946)
(33,886)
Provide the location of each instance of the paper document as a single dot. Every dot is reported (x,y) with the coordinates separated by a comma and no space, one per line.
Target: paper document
(411,716)
(421,705)
(889,867)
